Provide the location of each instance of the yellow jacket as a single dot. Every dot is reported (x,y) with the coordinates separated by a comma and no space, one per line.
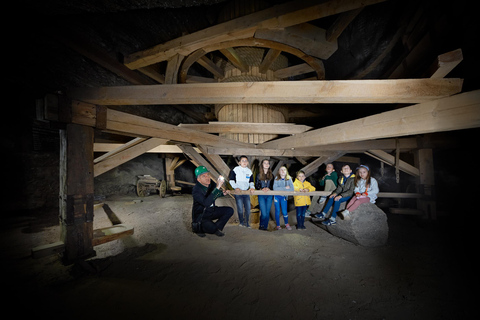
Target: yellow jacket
(302,200)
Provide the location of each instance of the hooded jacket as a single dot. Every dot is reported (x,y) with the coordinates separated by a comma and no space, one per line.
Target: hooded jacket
(346,186)
(302,200)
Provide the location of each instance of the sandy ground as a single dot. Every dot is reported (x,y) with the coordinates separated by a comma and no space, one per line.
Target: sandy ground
(164,271)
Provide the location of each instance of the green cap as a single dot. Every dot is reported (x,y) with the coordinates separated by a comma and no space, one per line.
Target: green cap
(200,170)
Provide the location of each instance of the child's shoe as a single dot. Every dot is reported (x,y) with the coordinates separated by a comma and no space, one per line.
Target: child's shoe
(278,228)
(287,226)
(345,214)
(329,222)
(320,215)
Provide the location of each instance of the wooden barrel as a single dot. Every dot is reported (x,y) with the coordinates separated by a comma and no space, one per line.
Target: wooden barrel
(253,113)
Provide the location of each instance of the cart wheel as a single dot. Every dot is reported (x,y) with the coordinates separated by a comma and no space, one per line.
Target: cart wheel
(163,189)
(140,189)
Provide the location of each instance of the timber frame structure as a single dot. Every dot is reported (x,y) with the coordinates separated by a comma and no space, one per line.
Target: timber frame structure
(427,105)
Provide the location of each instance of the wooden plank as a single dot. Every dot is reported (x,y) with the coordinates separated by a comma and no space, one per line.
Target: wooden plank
(212,67)
(126,155)
(285,92)
(391,160)
(247,127)
(293,71)
(312,167)
(118,149)
(128,124)
(445,63)
(107,234)
(48,249)
(398,195)
(461,111)
(280,16)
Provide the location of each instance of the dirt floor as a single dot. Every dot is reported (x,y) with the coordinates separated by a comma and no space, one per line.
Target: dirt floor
(164,271)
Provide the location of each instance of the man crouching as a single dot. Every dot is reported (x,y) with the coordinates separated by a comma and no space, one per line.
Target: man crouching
(204,210)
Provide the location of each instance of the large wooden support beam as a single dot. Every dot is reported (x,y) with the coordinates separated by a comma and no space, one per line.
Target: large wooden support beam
(127,124)
(76,192)
(247,127)
(319,91)
(126,155)
(391,160)
(281,16)
(461,111)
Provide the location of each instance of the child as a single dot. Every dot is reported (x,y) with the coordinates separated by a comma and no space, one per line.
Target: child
(301,202)
(329,183)
(366,190)
(282,182)
(264,182)
(241,178)
(329,180)
(343,193)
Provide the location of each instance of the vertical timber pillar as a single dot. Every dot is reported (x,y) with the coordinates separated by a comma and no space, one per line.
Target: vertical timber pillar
(427,183)
(76,192)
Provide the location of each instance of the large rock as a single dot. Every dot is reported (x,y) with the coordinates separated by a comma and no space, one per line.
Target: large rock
(367,226)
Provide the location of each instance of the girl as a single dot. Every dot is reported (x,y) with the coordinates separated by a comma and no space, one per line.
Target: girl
(283,182)
(301,202)
(264,182)
(366,190)
(343,193)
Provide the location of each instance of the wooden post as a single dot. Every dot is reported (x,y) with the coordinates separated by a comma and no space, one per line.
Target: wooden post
(426,183)
(76,192)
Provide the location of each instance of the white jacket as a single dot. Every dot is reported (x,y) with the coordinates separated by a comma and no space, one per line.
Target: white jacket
(241,178)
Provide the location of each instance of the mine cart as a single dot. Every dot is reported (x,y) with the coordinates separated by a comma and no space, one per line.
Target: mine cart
(147,185)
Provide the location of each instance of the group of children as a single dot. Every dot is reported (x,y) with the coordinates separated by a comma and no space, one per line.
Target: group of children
(358,188)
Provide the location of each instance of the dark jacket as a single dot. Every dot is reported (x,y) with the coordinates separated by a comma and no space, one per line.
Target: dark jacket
(346,186)
(204,199)
(260,184)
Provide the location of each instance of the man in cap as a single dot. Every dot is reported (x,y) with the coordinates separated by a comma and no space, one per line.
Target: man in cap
(204,210)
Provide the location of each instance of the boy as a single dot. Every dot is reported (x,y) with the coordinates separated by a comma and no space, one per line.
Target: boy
(342,193)
(241,178)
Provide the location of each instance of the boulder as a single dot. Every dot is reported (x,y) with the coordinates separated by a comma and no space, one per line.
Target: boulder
(367,226)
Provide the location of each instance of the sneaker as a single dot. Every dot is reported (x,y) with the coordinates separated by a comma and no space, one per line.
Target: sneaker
(329,222)
(278,228)
(320,215)
(345,214)
(241,225)
(287,226)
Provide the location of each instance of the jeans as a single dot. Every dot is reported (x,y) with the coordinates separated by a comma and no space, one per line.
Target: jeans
(265,204)
(280,205)
(301,216)
(221,214)
(336,206)
(243,202)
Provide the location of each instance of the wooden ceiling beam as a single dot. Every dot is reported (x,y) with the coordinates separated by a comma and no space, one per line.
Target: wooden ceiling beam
(461,111)
(285,92)
(248,127)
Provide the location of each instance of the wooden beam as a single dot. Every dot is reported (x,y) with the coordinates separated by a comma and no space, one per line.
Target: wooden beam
(305,36)
(269,58)
(293,71)
(461,111)
(234,59)
(248,127)
(212,67)
(118,149)
(391,160)
(445,63)
(126,155)
(334,91)
(341,24)
(280,16)
(128,124)
(313,166)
